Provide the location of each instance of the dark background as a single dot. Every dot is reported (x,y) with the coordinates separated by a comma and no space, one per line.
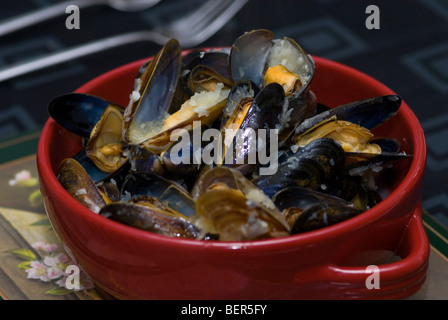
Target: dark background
(409,53)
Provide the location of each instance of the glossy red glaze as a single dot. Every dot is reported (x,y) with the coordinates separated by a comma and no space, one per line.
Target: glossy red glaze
(324,264)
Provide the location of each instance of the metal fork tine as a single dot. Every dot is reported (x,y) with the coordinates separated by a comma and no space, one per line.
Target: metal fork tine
(210,23)
(185,24)
(217,20)
(210,15)
(191,30)
(206,9)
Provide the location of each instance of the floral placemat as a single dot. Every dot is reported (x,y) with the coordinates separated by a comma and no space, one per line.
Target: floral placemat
(33,263)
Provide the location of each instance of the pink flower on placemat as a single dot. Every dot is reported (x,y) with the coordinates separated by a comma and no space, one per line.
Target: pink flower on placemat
(38,270)
(23,178)
(42,246)
(56,265)
(53,266)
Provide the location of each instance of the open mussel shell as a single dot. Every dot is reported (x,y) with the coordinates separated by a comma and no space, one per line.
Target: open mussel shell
(79,112)
(207,69)
(150,184)
(241,93)
(97,175)
(353,188)
(365,173)
(352,137)
(372,167)
(307,210)
(387,144)
(368,113)
(247,132)
(298,108)
(248,55)
(105,144)
(91,168)
(155,203)
(205,116)
(360,146)
(264,110)
(155,113)
(229,205)
(322,215)
(143,160)
(153,93)
(228,213)
(357,159)
(253,53)
(258,57)
(151,218)
(74,178)
(203,108)
(313,166)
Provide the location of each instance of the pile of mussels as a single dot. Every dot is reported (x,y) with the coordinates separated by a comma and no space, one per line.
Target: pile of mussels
(327,160)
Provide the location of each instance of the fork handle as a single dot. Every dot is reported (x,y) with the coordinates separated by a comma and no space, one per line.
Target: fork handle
(40,15)
(66,55)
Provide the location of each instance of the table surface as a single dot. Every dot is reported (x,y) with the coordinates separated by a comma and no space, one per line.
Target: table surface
(409,53)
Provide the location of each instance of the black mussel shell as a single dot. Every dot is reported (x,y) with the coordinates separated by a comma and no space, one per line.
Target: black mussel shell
(152,185)
(313,166)
(148,219)
(307,210)
(78,112)
(262,114)
(367,113)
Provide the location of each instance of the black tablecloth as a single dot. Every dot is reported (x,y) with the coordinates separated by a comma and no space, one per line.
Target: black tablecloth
(409,53)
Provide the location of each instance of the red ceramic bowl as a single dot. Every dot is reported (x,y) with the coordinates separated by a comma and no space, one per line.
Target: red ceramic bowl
(330,263)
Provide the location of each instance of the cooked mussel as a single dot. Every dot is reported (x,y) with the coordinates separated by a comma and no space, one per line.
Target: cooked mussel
(253,53)
(368,113)
(149,119)
(313,166)
(93,171)
(307,210)
(105,145)
(244,124)
(258,57)
(150,184)
(229,205)
(99,123)
(206,69)
(151,217)
(352,137)
(74,178)
(143,160)
(153,93)
(204,107)
(79,112)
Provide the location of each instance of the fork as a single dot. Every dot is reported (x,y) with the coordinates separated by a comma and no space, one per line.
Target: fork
(190,30)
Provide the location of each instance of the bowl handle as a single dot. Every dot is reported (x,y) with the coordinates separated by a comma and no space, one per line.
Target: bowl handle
(391,280)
